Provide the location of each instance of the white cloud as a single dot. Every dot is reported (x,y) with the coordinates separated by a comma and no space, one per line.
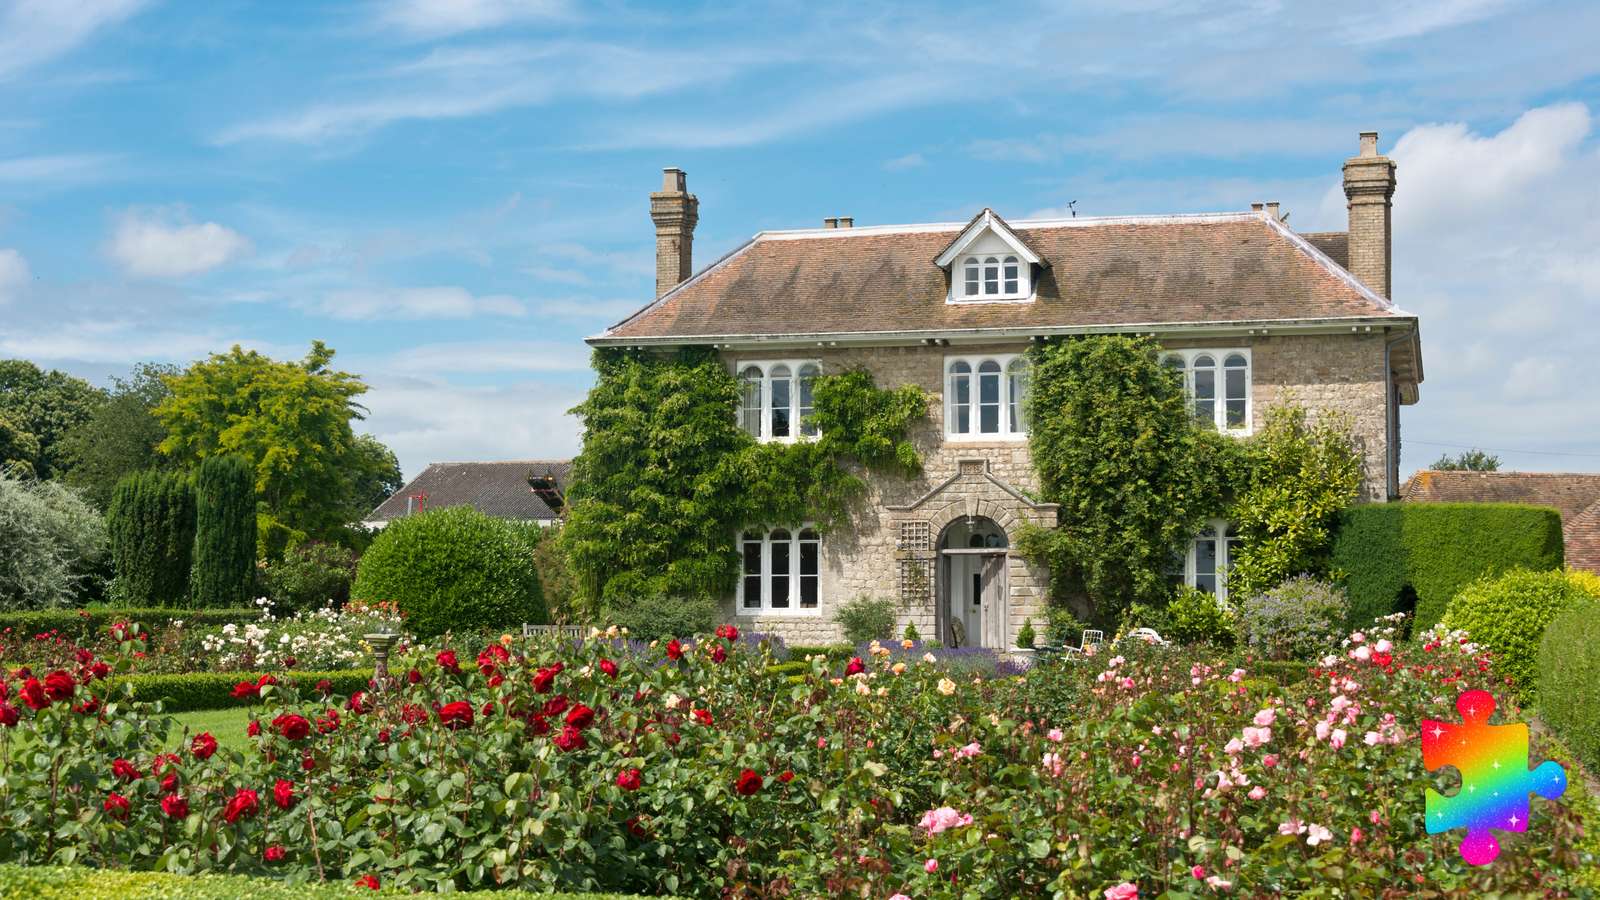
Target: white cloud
(165,244)
(1389,22)
(14,274)
(57,167)
(902,163)
(481,357)
(441,302)
(438,18)
(36,31)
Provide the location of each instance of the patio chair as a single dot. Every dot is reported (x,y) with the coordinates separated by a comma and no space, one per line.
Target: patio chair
(1092,637)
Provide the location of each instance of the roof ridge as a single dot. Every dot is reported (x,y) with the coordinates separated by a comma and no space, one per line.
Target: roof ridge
(1015,224)
(498,462)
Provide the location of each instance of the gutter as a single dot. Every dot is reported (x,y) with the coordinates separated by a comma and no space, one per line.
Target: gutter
(1391,471)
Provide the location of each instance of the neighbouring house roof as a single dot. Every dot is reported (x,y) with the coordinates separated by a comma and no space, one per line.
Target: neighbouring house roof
(495,488)
(1336,244)
(1576,495)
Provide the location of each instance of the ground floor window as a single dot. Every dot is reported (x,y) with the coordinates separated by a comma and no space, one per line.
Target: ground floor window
(1204,564)
(781,570)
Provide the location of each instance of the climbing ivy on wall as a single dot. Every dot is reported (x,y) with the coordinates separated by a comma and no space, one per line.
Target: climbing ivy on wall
(666,478)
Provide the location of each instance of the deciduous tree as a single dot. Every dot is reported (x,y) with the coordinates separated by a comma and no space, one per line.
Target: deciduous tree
(45,405)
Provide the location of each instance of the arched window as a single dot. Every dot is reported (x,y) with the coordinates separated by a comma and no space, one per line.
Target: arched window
(1203,381)
(775,403)
(810,568)
(750,400)
(970,270)
(1235,389)
(804,405)
(960,390)
(1205,566)
(989,397)
(781,410)
(991,276)
(1218,395)
(750,584)
(1012,275)
(782,555)
(781,571)
(1017,395)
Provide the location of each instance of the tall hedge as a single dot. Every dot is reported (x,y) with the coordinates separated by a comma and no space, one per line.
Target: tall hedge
(1436,549)
(225,533)
(1569,680)
(453,569)
(151,521)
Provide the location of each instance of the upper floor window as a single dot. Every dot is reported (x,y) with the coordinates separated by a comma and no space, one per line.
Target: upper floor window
(781,571)
(775,399)
(1217,383)
(985,396)
(993,277)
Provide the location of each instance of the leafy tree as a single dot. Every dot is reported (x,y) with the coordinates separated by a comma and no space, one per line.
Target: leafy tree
(52,545)
(121,436)
(45,405)
(18,449)
(1114,444)
(1467,461)
(1301,476)
(225,533)
(151,521)
(373,476)
(290,420)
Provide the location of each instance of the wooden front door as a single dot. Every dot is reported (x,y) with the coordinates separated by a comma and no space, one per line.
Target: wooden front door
(994,601)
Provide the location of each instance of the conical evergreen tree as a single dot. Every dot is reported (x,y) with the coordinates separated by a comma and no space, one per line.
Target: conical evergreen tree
(151,524)
(225,533)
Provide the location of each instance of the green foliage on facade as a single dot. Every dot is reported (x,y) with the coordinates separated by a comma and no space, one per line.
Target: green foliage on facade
(1112,439)
(225,533)
(1299,476)
(151,523)
(453,569)
(666,477)
(1396,555)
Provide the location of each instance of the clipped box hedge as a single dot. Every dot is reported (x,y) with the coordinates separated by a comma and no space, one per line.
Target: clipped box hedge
(214,690)
(74,883)
(1435,549)
(87,624)
(1569,680)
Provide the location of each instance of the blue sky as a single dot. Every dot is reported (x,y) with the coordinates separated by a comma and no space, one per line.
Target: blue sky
(452,193)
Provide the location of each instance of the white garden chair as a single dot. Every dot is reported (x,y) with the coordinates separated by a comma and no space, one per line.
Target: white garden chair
(1149,636)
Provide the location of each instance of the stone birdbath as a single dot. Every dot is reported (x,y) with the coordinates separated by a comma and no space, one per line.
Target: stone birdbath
(382,642)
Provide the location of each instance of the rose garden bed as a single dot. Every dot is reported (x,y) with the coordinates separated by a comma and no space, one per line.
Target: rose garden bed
(692,769)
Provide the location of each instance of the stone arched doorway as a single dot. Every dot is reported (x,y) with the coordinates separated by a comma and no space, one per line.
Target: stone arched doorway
(971,594)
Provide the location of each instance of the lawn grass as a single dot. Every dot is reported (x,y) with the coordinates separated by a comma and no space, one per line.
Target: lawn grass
(226,725)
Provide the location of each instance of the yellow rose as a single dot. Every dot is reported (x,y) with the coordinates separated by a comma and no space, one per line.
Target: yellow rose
(947,687)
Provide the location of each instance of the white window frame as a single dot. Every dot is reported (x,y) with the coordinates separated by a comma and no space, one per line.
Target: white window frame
(962,290)
(1008,429)
(1225,549)
(766,368)
(794,543)
(1219,410)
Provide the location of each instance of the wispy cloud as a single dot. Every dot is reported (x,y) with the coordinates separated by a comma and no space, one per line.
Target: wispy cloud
(56,167)
(903,163)
(14,274)
(1192,136)
(442,302)
(166,244)
(1395,21)
(33,32)
(480,357)
(441,18)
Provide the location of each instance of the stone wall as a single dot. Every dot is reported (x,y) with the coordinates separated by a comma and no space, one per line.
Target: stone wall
(1337,372)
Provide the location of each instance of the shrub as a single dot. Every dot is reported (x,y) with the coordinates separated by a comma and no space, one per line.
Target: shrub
(1196,617)
(452,569)
(866,619)
(1569,680)
(225,532)
(1507,615)
(1025,635)
(1062,627)
(1283,672)
(52,545)
(326,638)
(151,522)
(312,575)
(910,633)
(89,624)
(658,618)
(1437,549)
(1298,619)
(63,882)
(557,581)
(190,691)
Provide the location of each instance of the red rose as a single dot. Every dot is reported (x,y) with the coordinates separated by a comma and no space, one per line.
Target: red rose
(580,717)
(368,881)
(289,662)
(786,777)
(245,689)
(456,716)
(203,745)
(328,722)
(324,687)
(703,716)
(99,670)
(854,667)
(496,680)
(169,784)
(555,706)
(125,770)
(629,779)
(243,804)
(9,716)
(447,661)
(274,853)
(283,794)
(412,714)
(383,736)
(174,806)
(634,828)
(265,680)
(570,739)
(487,710)
(1386,659)
(117,806)
(308,763)
(719,654)
(358,703)
(59,685)
(727,632)
(674,649)
(543,679)
(32,693)
(292,726)
(538,724)
(88,707)
(749,783)
(414,676)
(674,738)
(254,728)
(608,667)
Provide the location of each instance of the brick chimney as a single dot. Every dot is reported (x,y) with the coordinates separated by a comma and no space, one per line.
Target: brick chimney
(675,212)
(1369,187)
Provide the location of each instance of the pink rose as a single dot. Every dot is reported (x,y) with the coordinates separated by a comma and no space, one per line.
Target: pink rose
(931,866)
(1124,891)
(1337,738)
(1257,792)
(1198,872)
(1270,760)
(1055,734)
(944,818)
(1266,717)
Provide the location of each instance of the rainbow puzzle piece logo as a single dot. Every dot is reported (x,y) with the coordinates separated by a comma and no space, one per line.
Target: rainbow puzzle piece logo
(1495,779)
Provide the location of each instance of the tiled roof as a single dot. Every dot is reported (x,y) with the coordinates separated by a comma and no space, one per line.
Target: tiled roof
(1223,268)
(1576,495)
(495,488)
(1336,244)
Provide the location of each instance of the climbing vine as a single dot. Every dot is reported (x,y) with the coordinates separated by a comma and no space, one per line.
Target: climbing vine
(666,478)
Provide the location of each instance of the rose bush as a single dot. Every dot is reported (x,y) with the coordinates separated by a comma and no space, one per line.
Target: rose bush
(688,768)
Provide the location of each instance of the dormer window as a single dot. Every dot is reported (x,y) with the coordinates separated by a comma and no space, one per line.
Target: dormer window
(989,263)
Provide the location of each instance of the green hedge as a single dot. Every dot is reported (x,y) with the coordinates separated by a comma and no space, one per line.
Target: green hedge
(831,651)
(1569,680)
(214,690)
(71,883)
(1436,549)
(86,624)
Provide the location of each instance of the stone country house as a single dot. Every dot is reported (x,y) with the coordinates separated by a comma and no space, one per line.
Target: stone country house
(1249,310)
(1576,495)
